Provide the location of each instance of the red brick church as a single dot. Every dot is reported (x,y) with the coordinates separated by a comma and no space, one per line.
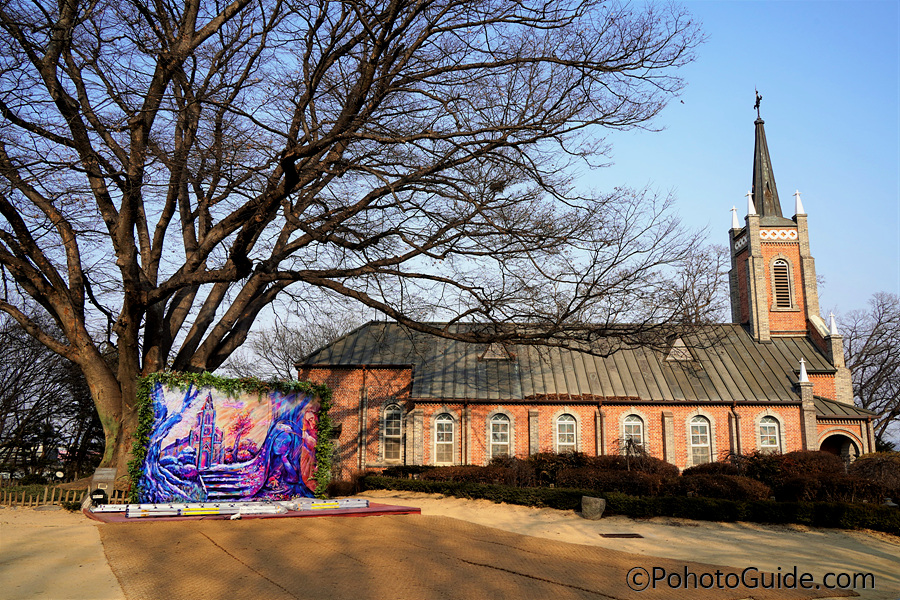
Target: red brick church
(774,380)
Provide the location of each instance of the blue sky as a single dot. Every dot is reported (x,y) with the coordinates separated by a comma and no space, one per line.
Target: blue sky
(828,74)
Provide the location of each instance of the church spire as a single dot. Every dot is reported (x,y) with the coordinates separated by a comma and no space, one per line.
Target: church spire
(765,194)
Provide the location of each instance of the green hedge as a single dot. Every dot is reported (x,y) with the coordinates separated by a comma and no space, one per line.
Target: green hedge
(816,514)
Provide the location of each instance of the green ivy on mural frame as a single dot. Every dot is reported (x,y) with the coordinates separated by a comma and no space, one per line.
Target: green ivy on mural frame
(233,387)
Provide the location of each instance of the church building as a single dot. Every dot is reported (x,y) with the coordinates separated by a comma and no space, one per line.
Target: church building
(774,380)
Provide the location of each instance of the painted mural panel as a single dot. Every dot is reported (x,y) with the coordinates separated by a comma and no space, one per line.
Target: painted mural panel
(209,446)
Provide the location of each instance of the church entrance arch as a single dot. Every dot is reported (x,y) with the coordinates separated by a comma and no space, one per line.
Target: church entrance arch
(841,445)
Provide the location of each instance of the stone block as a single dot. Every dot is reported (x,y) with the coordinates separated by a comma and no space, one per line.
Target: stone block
(592,508)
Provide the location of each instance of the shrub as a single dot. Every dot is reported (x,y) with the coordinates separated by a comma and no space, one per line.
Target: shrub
(713,468)
(774,469)
(346,487)
(764,467)
(519,472)
(468,474)
(728,487)
(640,462)
(406,470)
(633,483)
(829,488)
(547,465)
(815,463)
(560,498)
(33,479)
(817,514)
(882,468)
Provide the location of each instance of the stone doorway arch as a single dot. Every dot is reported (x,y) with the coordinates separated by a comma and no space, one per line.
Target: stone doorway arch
(840,445)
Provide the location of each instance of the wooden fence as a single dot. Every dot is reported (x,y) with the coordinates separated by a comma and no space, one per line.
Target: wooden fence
(13,497)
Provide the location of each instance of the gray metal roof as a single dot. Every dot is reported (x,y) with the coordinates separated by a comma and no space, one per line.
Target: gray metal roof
(830,409)
(732,367)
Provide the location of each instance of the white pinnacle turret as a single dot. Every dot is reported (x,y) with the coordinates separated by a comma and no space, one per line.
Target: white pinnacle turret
(798,210)
(833,330)
(751,209)
(803,376)
(734,221)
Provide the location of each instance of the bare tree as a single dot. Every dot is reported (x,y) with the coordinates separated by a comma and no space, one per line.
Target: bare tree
(704,285)
(272,353)
(872,353)
(169,169)
(44,407)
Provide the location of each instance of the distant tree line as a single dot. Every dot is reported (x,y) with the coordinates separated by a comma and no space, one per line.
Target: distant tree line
(48,421)
(872,352)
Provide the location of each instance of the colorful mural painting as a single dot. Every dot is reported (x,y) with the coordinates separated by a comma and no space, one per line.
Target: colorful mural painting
(207,445)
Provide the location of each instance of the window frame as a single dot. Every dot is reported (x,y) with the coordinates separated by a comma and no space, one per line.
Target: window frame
(629,421)
(498,419)
(769,421)
(572,446)
(392,437)
(440,419)
(693,445)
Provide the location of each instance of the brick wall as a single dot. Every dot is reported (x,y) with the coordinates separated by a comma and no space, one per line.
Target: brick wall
(719,418)
(785,321)
(472,422)
(347,385)
(823,385)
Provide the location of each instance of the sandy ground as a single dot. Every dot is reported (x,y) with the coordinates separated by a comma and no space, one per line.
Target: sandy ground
(54,554)
(739,545)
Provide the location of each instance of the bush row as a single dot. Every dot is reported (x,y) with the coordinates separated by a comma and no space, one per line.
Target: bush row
(792,477)
(816,514)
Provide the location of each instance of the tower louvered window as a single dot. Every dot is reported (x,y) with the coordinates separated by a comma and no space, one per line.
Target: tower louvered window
(781,284)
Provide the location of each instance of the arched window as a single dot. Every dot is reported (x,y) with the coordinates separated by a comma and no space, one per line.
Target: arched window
(633,434)
(700,442)
(443,439)
(393,418)
(769,436)
(499,436)
(781,284)
(565,433)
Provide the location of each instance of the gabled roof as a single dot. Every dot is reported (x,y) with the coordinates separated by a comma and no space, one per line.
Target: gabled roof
(727,366)
(831,409)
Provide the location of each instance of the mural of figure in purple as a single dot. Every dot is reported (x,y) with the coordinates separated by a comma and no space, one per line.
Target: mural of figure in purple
(288,466)
(308,451)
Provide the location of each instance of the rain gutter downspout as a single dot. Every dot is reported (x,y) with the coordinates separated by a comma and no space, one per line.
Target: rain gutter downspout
(737,428)
(361,436)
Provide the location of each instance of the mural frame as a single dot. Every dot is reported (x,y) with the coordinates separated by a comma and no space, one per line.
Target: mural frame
(230,387)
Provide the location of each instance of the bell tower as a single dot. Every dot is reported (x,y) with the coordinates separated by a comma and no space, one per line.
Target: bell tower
(773,274)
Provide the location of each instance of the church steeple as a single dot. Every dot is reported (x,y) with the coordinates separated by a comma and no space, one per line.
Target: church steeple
(773,282)
(765,194)
(774,292)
